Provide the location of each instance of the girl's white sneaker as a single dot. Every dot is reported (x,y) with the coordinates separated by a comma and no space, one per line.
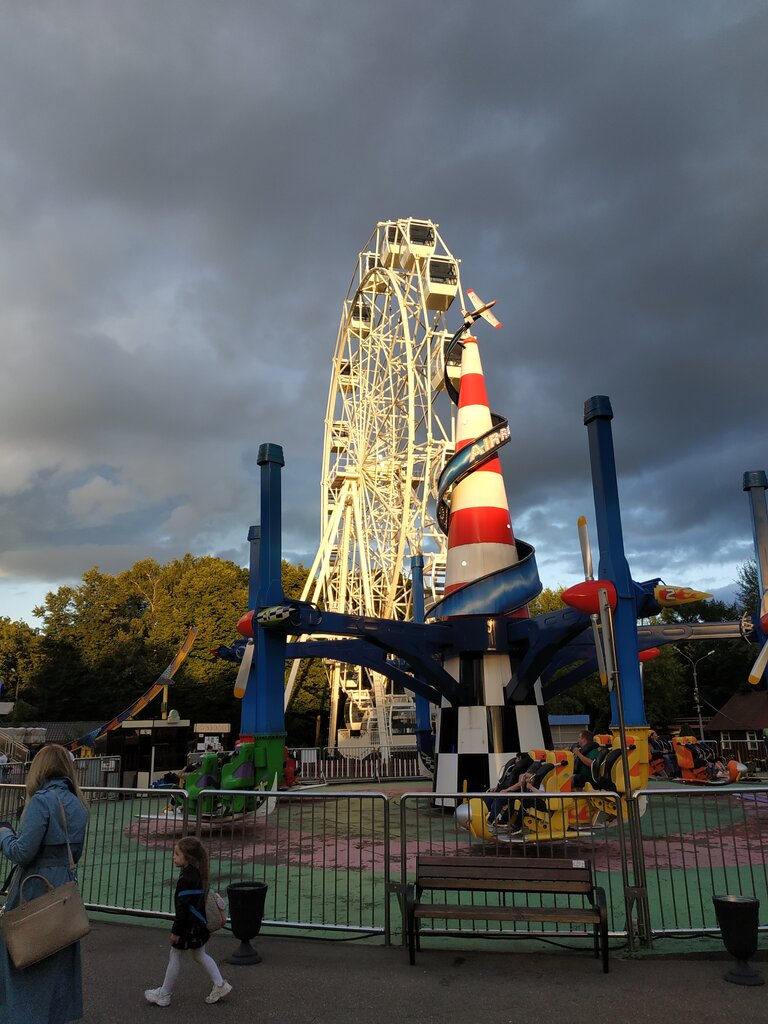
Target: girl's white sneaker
(218,992)
(157,996)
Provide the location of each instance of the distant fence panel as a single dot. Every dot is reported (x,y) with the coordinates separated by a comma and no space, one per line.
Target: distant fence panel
(330,764)
(90,772)
(700,842)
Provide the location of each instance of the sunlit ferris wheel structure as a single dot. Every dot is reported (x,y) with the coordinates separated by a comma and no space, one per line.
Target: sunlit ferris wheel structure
(385,445)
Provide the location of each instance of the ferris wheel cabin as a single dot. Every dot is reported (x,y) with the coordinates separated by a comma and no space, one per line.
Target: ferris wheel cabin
(372,280)
(360,318)
(418,242)
(441,282)
(390,249)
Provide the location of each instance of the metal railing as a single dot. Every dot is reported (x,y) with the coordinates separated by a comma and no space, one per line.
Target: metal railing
(700,842)
(14,750)
(92,772)
(325,857)
(328,764)
(339,860)
(427,828)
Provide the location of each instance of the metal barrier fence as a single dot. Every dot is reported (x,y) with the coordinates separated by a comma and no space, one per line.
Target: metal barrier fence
(426,828)
(340,860)
(700,842)
(325,857)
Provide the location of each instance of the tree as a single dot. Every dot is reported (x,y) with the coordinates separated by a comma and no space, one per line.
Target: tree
(748,587)
(20,654)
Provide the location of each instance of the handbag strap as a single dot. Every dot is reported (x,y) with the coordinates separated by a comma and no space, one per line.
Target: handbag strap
(17,870)
(66,834)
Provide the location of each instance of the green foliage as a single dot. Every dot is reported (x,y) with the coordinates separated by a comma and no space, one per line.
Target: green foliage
(20,657)
(748,587)
(664,688)
(588,697)
(548,601)
(105,641)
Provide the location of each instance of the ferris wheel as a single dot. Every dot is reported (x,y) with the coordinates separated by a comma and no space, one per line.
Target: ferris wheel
(386,443)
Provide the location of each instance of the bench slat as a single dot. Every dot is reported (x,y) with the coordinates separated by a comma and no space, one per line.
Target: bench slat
(482,870)
(555,863)
(504,885)
(574,915)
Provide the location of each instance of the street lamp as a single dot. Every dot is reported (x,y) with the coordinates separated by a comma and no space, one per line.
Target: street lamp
(696,698)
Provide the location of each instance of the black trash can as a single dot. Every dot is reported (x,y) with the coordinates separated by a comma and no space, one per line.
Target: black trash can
(738,919)
(246,911)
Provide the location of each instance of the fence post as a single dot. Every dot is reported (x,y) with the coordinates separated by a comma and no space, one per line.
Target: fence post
(636,895)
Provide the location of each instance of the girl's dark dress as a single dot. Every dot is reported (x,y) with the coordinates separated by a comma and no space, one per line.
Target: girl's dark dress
(190,929)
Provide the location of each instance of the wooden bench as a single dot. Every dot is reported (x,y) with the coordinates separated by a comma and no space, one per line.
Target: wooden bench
(509,877)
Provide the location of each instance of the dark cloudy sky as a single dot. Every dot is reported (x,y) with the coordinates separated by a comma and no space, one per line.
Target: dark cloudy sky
(184,188)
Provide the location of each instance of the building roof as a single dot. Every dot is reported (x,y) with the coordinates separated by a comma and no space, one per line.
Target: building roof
(63,732)
(568,719)
(747,711)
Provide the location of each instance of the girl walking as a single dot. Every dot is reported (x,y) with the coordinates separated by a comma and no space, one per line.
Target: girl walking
(189,930)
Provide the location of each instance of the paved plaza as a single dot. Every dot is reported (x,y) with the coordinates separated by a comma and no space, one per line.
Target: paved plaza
(329,981)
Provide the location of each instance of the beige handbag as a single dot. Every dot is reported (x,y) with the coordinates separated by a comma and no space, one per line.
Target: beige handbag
(37,928)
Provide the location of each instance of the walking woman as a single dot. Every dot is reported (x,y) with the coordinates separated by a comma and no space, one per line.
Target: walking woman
(48,992)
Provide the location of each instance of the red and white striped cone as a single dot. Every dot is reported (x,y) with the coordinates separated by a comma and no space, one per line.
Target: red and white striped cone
(475,741)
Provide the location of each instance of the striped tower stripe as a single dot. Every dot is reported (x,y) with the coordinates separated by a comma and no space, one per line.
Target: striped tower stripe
(480,537)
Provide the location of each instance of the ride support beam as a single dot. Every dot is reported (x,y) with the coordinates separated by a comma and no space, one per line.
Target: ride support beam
(613,563)
(424,741)
(262,715)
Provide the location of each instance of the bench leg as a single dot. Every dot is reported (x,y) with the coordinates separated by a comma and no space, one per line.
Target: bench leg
(604,944)
(412,938)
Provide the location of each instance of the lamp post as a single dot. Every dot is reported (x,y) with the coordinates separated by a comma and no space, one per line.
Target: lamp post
(696,685)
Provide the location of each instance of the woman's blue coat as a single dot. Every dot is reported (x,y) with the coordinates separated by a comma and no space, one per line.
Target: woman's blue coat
(49,992)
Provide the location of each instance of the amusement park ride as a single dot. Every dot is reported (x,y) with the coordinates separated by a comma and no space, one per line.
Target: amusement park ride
(406,481)
(401,479)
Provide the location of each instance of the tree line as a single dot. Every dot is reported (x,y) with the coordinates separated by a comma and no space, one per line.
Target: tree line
(103,642)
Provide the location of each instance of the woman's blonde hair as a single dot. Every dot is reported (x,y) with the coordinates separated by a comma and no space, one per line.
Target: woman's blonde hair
(52,762)
(196,855)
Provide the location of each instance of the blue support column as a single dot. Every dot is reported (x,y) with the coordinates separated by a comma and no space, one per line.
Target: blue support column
(262,714)
(248,713)
(254,552)
(613,563)
(424,739)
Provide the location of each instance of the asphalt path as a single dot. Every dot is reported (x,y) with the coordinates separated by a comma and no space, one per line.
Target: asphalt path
(329,981)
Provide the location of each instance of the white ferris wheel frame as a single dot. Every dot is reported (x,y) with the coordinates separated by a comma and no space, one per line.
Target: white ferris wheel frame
(385,444)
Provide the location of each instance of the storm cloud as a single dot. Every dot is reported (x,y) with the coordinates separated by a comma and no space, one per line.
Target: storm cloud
(185,186)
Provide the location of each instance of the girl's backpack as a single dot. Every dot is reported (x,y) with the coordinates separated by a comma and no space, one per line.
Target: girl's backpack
(215,911)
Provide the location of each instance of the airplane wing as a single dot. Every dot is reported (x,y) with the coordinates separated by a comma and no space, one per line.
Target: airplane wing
(483,308)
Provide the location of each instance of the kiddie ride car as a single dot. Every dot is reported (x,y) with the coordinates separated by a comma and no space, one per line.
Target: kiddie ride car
(552,772)
(685,759)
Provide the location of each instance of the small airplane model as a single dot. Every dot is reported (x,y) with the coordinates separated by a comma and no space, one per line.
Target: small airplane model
(481,309)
